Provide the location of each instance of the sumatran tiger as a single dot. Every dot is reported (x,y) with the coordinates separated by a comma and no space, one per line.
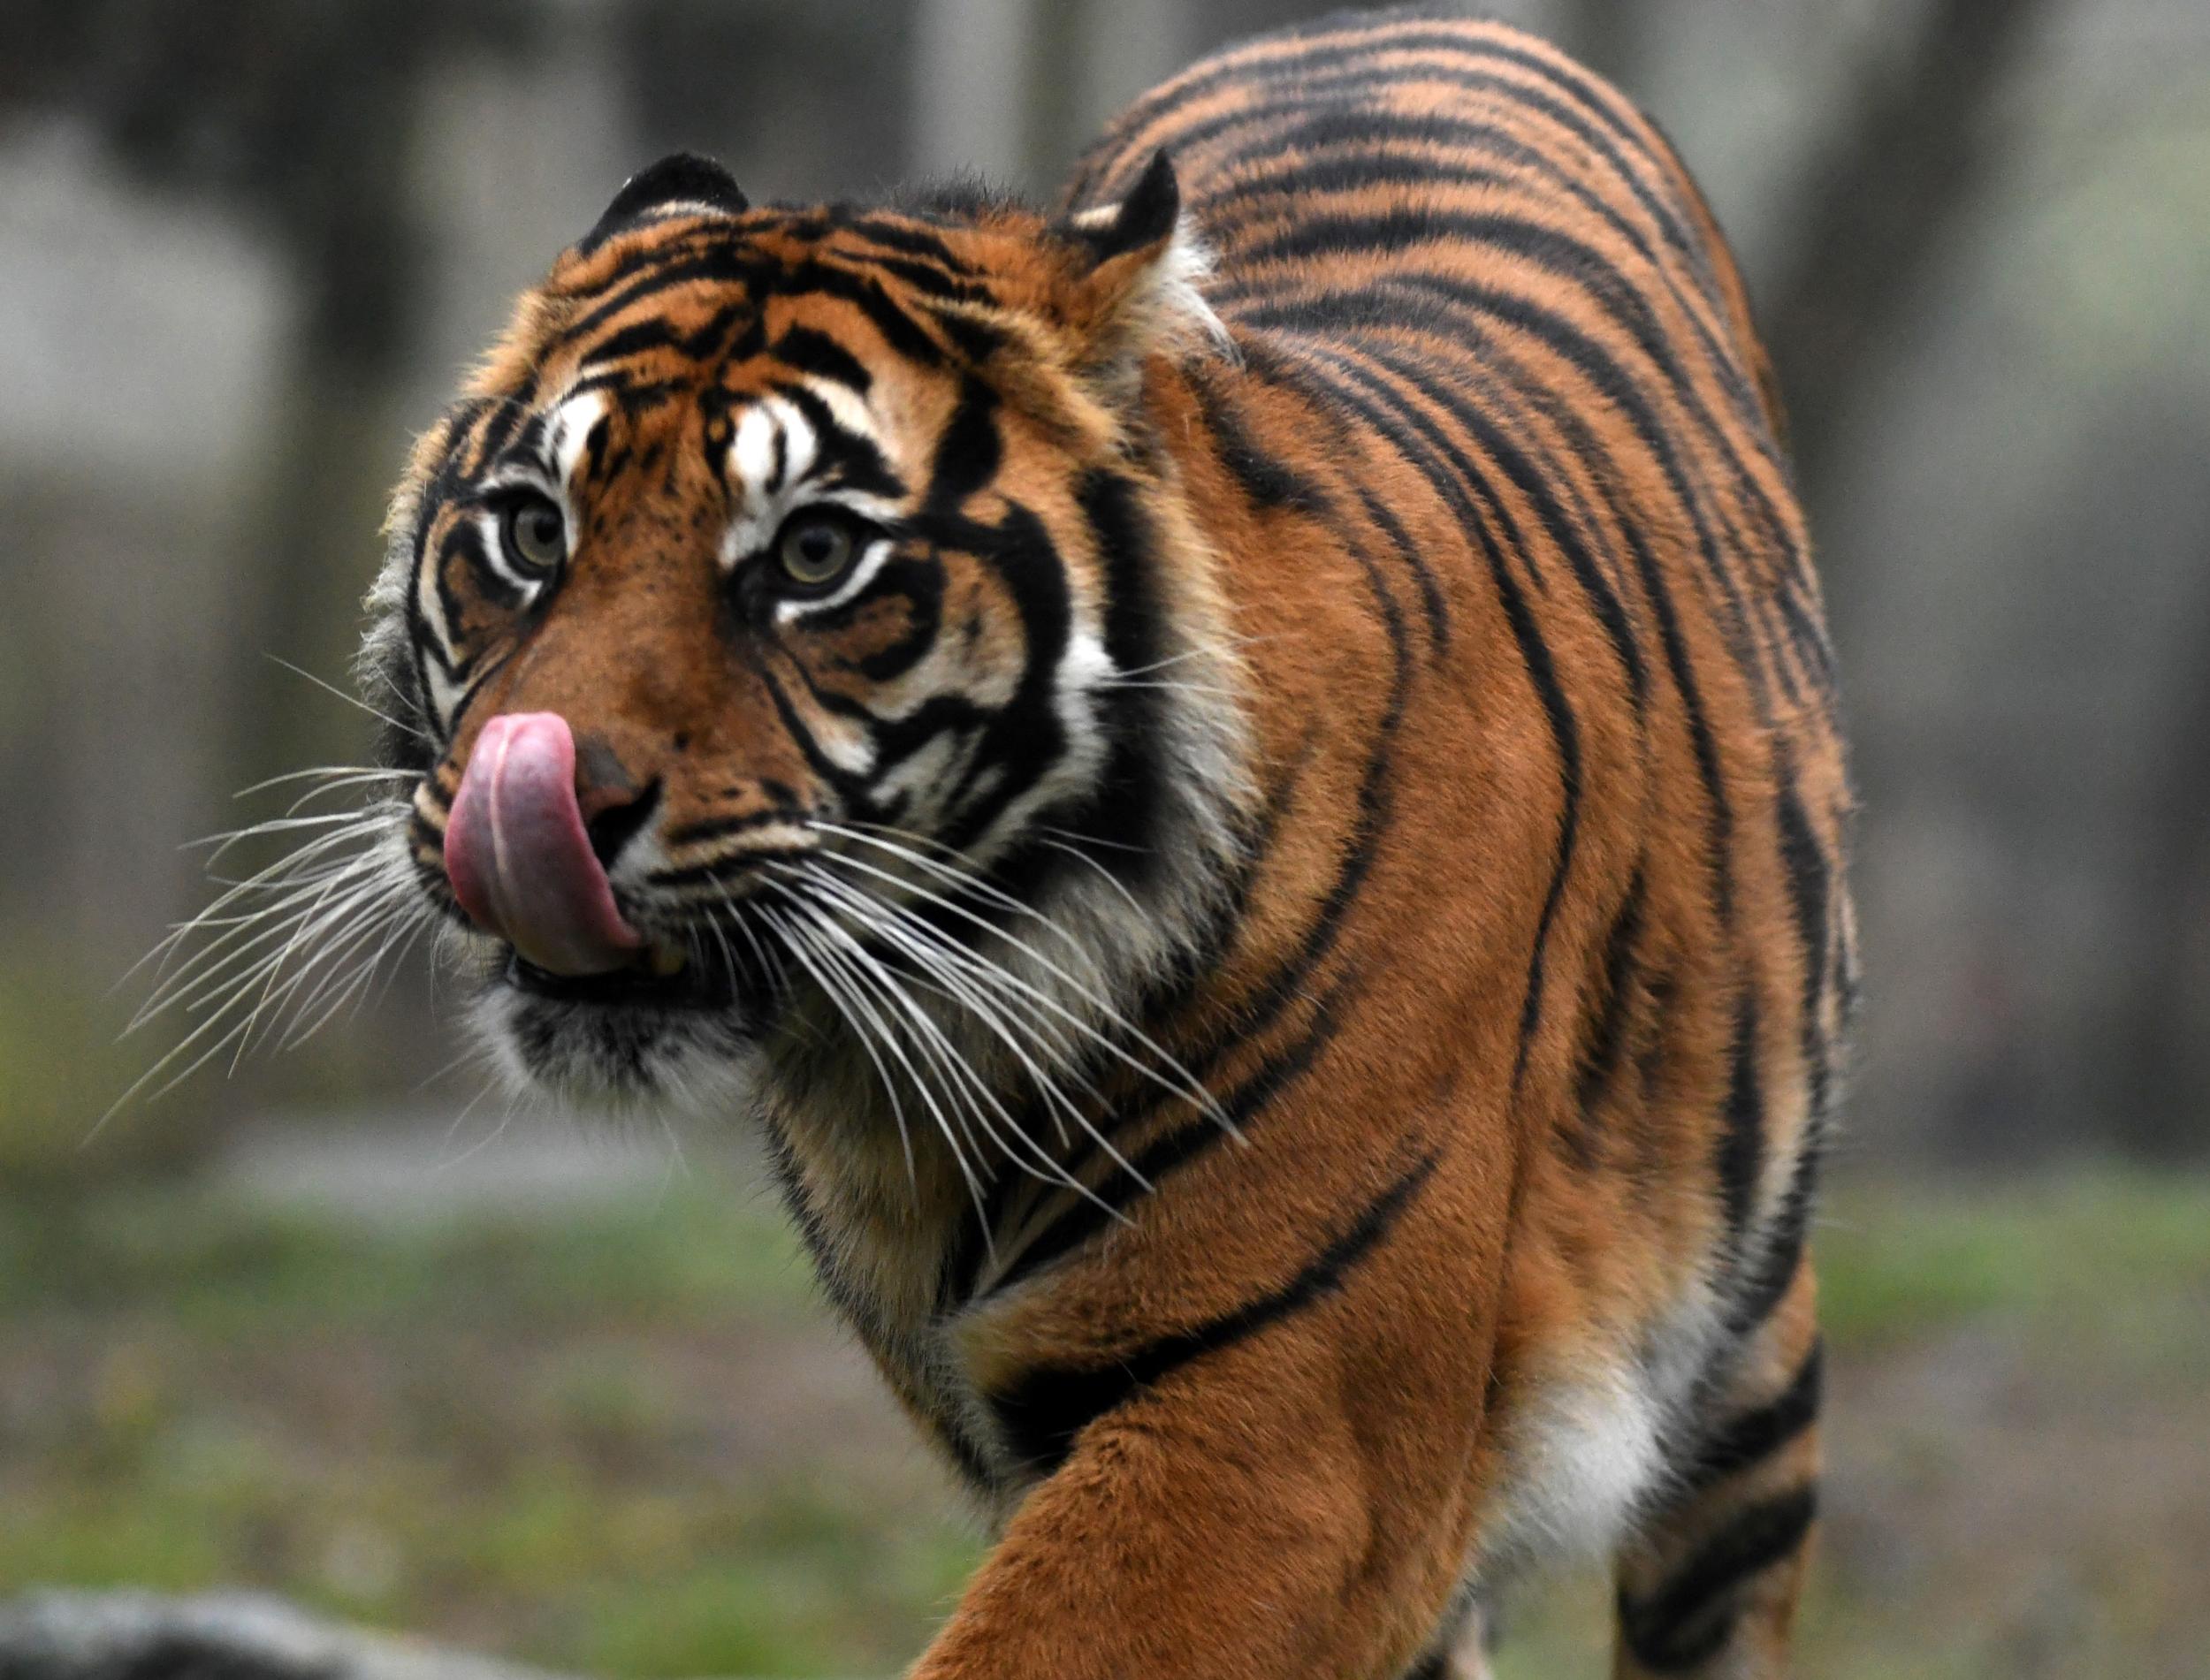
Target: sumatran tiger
(1241,778)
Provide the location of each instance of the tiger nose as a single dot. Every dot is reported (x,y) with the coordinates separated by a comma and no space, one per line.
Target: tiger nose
(615,802)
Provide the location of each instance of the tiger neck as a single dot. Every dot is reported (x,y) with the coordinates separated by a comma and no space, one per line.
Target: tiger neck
(1115,921)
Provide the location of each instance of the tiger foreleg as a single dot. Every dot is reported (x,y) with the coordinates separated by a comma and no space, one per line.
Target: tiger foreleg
(1275,1511)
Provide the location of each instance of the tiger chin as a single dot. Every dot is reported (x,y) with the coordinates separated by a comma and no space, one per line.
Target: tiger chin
(1241,778)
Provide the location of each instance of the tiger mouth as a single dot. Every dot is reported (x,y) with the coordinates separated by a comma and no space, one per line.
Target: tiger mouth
(653,984)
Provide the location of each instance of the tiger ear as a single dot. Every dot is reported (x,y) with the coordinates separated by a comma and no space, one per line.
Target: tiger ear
(680,181)
(1141,222)
(1137,264)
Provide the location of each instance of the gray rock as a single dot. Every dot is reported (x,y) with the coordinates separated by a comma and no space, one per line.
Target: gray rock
(141,1636)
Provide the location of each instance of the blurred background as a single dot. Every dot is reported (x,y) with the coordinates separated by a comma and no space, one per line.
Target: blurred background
(407,1355)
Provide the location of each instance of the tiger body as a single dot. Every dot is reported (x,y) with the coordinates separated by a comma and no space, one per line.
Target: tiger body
(1373,679)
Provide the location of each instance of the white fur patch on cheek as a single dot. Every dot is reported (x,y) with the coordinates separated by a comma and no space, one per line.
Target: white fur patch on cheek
(924,774)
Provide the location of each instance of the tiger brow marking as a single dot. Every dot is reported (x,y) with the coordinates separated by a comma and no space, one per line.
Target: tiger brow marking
(811,351)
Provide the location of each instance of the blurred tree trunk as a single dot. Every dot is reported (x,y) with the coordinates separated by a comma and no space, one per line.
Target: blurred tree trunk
(2154,1063)
(1880,201)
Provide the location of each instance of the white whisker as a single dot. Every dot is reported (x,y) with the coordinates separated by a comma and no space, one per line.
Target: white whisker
(947,1053)
(351,700)
(958,967)
(1190,1088)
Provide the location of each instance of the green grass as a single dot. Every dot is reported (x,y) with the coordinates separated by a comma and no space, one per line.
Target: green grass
(626,1440)
(2096,1253)
(218,1270)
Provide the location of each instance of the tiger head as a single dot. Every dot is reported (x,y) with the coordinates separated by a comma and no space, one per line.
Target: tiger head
(798,617)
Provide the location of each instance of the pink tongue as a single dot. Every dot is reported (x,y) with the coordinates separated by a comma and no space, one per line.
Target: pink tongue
(519,858)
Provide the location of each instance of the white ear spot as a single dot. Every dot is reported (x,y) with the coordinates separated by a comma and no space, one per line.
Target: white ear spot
(1173,295)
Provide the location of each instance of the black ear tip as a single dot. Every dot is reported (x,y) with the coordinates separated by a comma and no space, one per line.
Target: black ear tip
(1147,215)
(681,177)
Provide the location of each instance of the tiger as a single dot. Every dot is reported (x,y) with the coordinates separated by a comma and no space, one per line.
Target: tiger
(1240,778)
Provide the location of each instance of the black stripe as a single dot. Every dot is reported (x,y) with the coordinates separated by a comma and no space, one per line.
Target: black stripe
(923,587)
(1556,180)
(1810,890)
(1270,481)
(1606,1041)
(1750,1437)
(1399,539)
(1287,982)
(900,329)
(914,241)
(713,828)
(1265,480)
(858,463)
(1046,1407)
(977,340)
(1619,389)
(1329,73)
(815,353)
(1355,166)
(1741,1140)
(1766,1285)
(932,281)
(1164,1004)
(1324,108)
(1025,738)
(1083,1218)
(1126,808)
(968,453)
(854,1301)
(723,258)
(843,781)
(1690,1618)
(1790,584)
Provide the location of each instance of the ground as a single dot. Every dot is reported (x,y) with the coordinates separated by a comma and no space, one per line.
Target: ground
(619,1436)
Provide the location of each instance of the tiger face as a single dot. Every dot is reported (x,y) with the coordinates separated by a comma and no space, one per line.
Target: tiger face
(791,611)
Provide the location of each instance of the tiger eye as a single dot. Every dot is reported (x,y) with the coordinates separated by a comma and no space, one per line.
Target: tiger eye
(816,549)
(535,534)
